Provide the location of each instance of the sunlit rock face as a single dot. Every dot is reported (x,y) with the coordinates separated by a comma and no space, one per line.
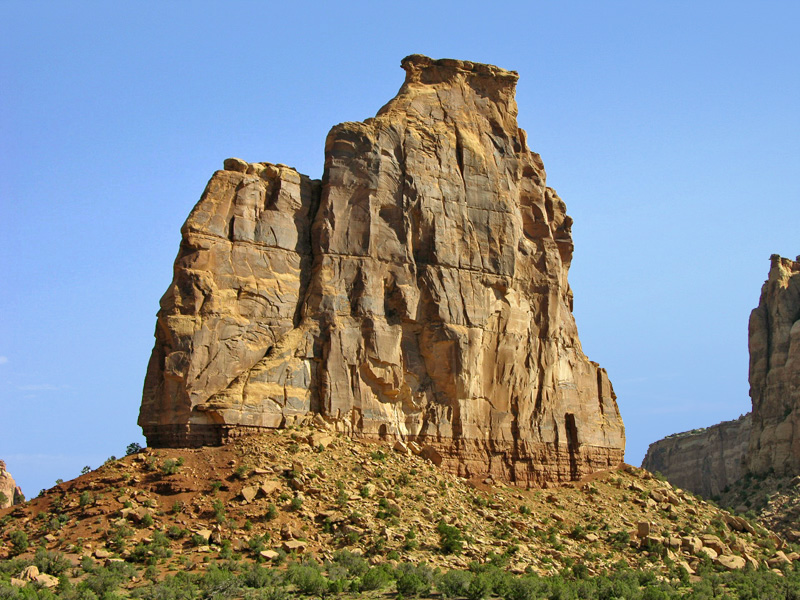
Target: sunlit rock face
(774,343)
(704,461)
(768,438)
(10,493)
(419,292)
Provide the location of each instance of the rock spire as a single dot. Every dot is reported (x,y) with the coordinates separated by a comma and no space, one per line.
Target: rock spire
(418,292)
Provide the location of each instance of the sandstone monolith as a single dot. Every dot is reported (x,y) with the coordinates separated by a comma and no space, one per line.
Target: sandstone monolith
(418,293)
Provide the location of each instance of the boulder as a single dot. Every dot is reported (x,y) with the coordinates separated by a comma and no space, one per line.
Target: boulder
(249,493)
(294,546)
(731,562)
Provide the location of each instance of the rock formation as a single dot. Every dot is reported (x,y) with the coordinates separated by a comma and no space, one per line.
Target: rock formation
(419,292)
(704,461)
(768,439)
(10,493)
(774,343)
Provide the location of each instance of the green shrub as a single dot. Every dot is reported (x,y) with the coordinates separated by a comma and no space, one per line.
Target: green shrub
(260,577)
(414,580)
(355,564)
(133,448)
(19,541)
(307,579)
(480,587)
(170,467)
(454,583)
(411,584)
(450,541)
(51,562)
(376,578)
(529,587)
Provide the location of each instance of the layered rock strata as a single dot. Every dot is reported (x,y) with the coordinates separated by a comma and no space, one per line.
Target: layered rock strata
(704,461)
(419,292)
(10,493)
(767,439)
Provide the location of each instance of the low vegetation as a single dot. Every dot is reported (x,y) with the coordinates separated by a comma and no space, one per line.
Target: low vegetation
(309,513)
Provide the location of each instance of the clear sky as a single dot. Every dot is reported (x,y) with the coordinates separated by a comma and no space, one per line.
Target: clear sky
(670,129)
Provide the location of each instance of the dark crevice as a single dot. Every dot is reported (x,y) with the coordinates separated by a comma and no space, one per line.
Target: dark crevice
(572,444)
(460,158)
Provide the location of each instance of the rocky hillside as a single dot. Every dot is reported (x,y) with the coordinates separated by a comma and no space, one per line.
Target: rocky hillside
(310,492)
(418,293)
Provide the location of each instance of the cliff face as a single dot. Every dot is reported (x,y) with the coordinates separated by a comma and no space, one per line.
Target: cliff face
(11,494)
(774,342)
(768,439)
(704,461)
(418,292)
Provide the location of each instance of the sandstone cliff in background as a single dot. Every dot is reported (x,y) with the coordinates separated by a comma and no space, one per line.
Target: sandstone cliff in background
(768,439)
(419,292)
(774,342)
(9,491)
(704,461)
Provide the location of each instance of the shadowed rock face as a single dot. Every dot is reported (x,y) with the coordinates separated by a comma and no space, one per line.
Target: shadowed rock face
(418,292)
(768,439)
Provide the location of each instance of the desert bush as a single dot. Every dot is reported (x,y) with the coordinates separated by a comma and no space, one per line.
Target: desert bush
(51,562)
(454,583)
(19,541)
(376,578)
(307,579)
(414,580)
(355,564)
(450,541)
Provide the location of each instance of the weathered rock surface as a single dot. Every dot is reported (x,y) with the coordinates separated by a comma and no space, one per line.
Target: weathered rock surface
(9,491)
(418,293)
(704,461)
(774,342)
(767,439)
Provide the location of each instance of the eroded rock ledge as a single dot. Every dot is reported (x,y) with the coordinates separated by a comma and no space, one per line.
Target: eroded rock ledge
(419,292)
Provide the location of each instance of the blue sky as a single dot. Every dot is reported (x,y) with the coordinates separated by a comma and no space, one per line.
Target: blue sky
(670,129)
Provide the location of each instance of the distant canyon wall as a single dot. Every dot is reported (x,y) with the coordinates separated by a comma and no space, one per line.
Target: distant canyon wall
(703,461)
(768,438)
